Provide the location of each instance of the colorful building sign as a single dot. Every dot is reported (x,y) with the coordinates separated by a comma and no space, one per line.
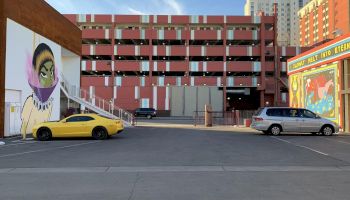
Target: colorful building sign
(330,52)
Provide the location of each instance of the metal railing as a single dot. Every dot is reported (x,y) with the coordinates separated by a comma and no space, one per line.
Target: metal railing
(227,118)
(218,118)
(95,103)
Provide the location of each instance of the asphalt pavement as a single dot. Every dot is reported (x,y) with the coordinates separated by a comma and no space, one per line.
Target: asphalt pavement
(177,161)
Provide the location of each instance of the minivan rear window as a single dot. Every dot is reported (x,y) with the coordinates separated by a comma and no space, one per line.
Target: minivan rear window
(282,112)
(274,112)
(258,112)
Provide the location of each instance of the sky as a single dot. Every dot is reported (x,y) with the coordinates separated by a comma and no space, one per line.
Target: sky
(150,7)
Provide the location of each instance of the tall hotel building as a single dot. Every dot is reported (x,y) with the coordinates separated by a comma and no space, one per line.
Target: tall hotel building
(323,20)
(287,12)
(176,64)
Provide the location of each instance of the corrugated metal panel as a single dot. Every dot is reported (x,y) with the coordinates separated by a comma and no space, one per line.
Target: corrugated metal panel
(118,34)
(194,66)
(83,65)
(155,103)
(118,81)
(230,81)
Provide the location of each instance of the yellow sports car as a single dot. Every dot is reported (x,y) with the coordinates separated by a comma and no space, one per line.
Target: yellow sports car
(80,125)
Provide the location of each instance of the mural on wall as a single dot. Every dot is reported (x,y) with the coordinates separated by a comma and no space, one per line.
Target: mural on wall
(295,94)
(42,78)
(320,91)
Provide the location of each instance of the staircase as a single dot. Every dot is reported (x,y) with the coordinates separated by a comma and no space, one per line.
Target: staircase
(94,103)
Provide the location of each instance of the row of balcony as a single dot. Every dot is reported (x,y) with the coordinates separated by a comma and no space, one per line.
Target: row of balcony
(131,81)
(211,66)
(182,50)
(176,34)
(168,19)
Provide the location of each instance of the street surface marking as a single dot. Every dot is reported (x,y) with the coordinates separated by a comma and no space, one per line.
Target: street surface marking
(177,169)
(302,146)
(17,144)
(47,149)
(340,141)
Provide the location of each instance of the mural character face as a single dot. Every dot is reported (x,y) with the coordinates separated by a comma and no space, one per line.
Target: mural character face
(42,74)
(44,65)
(46,74)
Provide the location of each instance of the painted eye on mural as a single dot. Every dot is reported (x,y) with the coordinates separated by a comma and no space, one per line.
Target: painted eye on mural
(42,74)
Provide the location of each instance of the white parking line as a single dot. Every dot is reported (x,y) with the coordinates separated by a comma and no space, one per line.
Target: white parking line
(340,141)
(47,149)
(17,144)
(302,146)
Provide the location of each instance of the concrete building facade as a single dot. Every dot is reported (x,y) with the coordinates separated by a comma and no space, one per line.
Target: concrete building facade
(35,52)
(323,20)
(287,23)
(176,64)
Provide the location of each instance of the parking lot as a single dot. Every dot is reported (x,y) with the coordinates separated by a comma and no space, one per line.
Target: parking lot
(174,161)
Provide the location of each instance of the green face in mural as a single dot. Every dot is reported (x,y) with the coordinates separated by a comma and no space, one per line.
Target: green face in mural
(44,65)
(47,73)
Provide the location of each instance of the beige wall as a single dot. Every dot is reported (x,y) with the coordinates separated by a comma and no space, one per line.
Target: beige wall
(186,100)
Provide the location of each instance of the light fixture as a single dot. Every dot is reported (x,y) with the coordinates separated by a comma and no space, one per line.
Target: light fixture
(163,58)
(168,84)
(186,84)
(229,58)
(229,44)
(141,57)
(207,58)
(204,84)
(141,43)
(240,84)
(207,43)
(239,98)
(251,58)
(118,42)
(228,98)
(229,72)
(120,57)
(258,84)
(118,71)
(97,57)
(152,84)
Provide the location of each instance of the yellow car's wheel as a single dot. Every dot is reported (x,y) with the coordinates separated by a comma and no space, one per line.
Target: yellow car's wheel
(44,134)
(99,133)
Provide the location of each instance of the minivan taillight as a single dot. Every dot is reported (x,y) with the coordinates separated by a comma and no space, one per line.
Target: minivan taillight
(257,119)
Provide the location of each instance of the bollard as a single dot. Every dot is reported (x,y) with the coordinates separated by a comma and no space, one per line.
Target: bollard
(208,116)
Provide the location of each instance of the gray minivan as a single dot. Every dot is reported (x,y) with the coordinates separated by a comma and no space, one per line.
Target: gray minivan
(274,120)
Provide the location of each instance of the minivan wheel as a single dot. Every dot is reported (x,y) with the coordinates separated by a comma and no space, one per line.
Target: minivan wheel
(275,130)
(327,131)
(149,116)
